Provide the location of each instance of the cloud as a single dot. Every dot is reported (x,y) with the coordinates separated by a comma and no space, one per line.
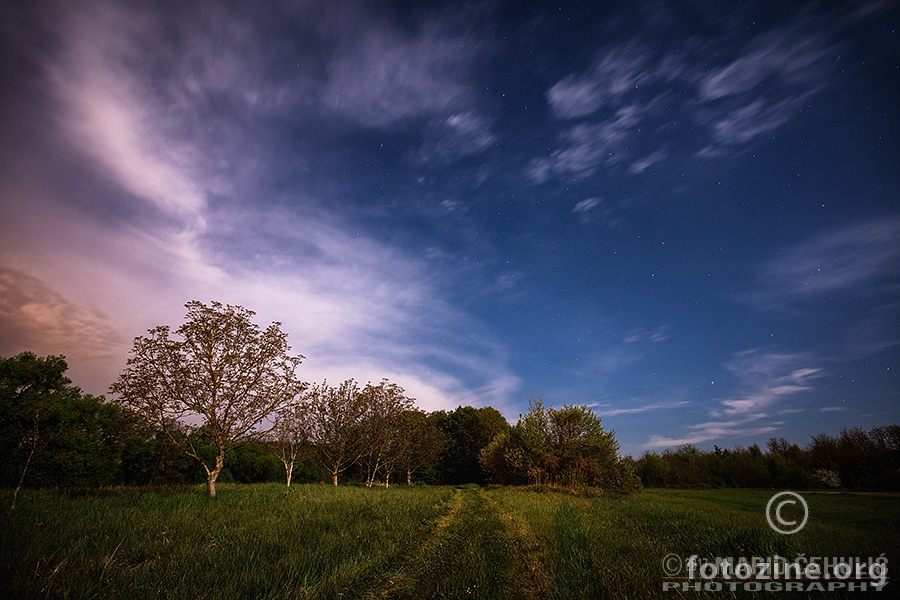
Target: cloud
(720,104)
(764,86)
(707,432)
(606,410)
(637,344)
(645,336)
(36,318)
(766,382)
(639,166)
(792,56)
(586,205)
(189,133)
(457,136)
(103,120)
(615,74)
(859,259)
(587,148)
(385,75)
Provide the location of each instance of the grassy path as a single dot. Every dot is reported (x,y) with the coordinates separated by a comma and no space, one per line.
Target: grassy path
(475,551)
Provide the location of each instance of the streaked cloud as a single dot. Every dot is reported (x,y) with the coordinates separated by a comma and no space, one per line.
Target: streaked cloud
(614,76)
(768,384)
(767,379)
(380,74)
(356,307)
(456,136)
(586,148)
(754,89)
(859,259)
(37,318)
(607,410)
(586,205)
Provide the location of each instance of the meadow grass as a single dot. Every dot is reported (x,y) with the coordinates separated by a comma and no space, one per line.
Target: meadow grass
(613,546)
(261,541)
(316,541)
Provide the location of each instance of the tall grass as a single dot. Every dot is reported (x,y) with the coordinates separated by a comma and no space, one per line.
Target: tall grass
(316,541)
(614,546)
(250,542)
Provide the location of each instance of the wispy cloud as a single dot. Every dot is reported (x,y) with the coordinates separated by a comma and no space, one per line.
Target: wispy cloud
(35,317)
(792,56)
(768,379)
(636,345)
(586,148)
(767,384)
(586,205)
(170,132)
(641,165)
(707,432)
(607,410)
(386,75)
(614,76)
(723,103)
(454,137)
(859,259)
(647,336)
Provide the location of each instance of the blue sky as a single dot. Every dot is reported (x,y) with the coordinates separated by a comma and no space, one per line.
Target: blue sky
(684,215)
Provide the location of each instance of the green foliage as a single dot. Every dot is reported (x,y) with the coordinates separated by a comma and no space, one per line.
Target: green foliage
(559,447)
(466,431)
(854,459)
(53,435)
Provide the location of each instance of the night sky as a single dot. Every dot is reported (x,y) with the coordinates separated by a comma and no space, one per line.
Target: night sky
(682,214)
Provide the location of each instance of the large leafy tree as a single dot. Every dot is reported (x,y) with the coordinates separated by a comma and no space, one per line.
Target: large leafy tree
(559,446)
(222,370)
(466,431)
(421,443)
(32,392)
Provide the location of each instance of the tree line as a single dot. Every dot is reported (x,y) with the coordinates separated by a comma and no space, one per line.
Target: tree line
(853,459)
(219,399)
(219,395)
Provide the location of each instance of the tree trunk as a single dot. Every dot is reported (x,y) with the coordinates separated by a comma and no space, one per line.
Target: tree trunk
(211,476)
(31,452)
(409,477)
(334,475)
(387,480)
(289,470)
(12,506)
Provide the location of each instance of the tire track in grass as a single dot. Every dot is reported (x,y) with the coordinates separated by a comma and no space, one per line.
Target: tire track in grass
(471,554)
(398,584)
(528,578)
(577,576)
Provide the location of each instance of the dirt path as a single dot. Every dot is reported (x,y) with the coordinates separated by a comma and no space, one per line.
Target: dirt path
(475,551)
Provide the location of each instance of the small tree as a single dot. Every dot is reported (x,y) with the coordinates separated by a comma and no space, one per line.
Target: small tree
(421,443)
(288,436)
(382,431)
(223,371)
(334,418)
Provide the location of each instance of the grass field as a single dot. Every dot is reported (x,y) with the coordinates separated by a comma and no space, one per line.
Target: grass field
(265,541)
